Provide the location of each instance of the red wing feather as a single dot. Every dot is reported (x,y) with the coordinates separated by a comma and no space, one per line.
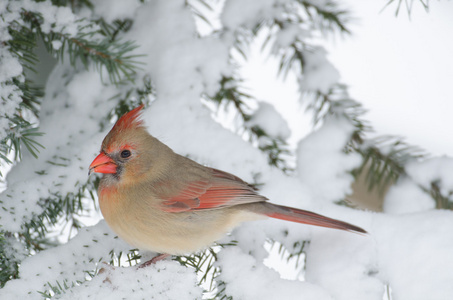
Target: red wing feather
(223,190)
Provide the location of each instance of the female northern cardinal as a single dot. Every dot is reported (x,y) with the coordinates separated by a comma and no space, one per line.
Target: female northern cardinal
(158,200)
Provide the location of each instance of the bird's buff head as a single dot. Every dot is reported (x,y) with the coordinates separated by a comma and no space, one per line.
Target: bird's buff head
(119,146)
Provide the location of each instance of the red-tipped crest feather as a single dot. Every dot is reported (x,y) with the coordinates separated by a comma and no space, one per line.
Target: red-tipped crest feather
(130,119)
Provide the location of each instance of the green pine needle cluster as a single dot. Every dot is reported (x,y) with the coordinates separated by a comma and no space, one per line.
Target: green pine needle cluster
(443,200)
(22,131)
(384,158)
(408,4)
(204,264)
(93,45)
(276,148)
(96,44)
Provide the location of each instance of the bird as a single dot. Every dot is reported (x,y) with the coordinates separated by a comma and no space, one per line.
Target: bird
(160,201)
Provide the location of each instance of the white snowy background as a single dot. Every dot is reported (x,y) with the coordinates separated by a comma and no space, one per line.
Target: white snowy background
(409,245)
(401,69)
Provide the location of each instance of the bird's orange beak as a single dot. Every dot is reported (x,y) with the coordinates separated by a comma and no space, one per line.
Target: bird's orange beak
(102,164)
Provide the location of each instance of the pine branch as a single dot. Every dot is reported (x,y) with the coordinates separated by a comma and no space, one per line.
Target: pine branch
(197,12)
(20,132)
(22,43)
(327,15)
(57,207)
(129,100)
(332,17)
(9,264)
(74,4)
(204,265)
(99,46)
(91,44)
(63,210)
(442,201)
(31,95)
(408,4)
(113,30)
(133,257)
(34,233)
(298,251)
(384,158)
(88,47)
(221,295)
(276,148)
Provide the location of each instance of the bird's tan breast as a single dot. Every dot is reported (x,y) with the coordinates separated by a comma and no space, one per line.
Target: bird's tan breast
(137,219)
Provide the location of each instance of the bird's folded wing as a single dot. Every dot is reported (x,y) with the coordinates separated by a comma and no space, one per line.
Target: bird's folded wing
(222,190)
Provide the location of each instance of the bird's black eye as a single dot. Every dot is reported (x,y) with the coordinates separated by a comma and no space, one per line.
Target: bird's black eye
(125,153)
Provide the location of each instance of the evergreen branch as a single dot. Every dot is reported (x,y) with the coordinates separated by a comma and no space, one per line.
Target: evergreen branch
(408,4)
(87,47)
(299,251)
(133,257)
(56,208)
(56,289)
(384,158)
(9,265)
(112,56)
(204,265)
(327,15)
(21,132)
(31,95)
(34,234)
(242,43)
(220,295)
(113,30)
(275,148)
(64,209)
(22,44)
(130,100)
(337,102)
(442,201)
(230,92)
(346,203)
(75,4)
(193,5)
(292,59)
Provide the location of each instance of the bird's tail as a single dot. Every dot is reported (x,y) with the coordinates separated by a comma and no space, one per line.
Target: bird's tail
(306,217)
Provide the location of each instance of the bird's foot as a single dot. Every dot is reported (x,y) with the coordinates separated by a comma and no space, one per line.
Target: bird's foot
(153,260)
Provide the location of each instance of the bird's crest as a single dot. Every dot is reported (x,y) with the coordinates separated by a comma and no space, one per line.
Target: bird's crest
(130,119)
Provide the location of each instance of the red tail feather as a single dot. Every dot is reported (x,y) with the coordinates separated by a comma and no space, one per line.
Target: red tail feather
(307,217)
